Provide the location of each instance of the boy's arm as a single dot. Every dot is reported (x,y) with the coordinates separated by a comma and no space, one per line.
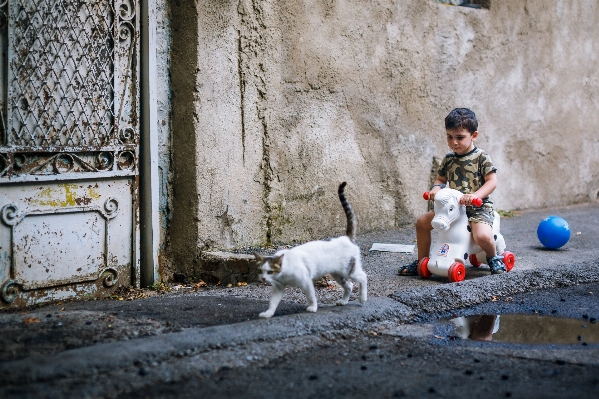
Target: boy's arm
(484,191)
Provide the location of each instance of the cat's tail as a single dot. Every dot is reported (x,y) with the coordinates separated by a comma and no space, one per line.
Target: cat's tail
(350,231)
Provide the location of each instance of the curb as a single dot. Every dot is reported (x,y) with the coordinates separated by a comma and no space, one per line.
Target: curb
(227,268)
(442,298)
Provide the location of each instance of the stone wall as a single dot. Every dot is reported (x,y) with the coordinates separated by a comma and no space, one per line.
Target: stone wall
(275,102)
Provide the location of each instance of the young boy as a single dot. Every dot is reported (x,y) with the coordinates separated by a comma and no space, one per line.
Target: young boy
(469,170)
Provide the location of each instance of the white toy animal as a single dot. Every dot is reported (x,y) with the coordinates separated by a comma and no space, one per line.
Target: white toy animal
(454,242)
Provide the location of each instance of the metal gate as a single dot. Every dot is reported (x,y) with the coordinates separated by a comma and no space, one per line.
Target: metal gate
(69,148)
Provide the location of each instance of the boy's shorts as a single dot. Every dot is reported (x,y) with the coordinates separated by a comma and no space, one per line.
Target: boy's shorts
(482,214)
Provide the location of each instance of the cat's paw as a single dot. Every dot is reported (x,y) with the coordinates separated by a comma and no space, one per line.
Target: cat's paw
(266,314)
(341,302)
(363,298)
(311,308)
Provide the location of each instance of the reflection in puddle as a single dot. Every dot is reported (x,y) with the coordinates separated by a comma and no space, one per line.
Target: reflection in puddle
(526,329)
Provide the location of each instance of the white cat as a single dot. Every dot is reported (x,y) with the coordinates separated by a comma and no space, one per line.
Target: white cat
(299,266)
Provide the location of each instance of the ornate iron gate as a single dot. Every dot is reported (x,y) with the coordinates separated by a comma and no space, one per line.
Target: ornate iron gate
(69,148)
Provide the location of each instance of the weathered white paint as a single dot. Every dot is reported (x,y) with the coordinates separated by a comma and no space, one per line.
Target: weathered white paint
(59,234)
(69,151)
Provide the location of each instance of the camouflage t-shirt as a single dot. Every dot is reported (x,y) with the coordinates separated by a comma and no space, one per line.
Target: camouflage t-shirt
(466,173)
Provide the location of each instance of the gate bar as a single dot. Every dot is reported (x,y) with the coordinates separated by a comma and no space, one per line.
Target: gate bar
(149,183)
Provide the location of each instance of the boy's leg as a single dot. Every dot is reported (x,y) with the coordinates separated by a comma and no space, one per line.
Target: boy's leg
(424,227)
(483,236)
(423,243)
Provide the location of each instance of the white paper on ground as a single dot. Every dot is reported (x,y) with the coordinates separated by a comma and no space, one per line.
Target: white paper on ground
(377,246)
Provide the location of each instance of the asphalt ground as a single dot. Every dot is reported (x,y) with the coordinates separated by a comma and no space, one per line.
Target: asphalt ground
(382,359)
(419,360)
(84,340)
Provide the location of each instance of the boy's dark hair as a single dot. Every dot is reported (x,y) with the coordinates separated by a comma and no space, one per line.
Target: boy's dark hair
(461,118)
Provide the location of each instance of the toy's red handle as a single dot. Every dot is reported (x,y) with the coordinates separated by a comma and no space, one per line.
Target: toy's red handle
(475,201)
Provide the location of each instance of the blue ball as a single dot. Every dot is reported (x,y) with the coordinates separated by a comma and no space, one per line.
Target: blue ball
(553,232)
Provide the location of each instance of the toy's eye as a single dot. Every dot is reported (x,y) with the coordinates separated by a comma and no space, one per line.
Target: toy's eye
(450,208)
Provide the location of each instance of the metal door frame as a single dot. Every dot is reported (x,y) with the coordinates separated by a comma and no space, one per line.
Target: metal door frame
(145,243)
(148,163)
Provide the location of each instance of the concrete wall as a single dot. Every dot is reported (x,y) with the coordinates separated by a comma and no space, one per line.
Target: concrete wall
(275,102)
(164,107)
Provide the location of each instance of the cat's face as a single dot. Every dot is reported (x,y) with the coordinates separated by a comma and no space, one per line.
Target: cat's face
(269,266)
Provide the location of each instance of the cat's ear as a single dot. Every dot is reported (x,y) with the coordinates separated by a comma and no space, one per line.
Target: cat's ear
(277,262)
(258,258)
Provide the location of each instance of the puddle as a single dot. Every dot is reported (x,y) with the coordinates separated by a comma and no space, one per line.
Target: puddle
(526,329)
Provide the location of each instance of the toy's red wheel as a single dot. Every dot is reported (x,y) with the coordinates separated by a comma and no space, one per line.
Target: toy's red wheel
(509,260)
(457,272)
(423,268)
(474,261)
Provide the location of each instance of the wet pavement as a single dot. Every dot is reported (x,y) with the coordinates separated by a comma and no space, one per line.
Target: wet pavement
(163,341)
(559,316)
(526,329)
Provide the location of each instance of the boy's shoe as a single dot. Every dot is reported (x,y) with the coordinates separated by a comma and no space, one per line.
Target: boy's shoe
(496,264)
(411,269)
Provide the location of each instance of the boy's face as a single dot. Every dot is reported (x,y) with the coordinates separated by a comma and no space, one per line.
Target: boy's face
(461,141)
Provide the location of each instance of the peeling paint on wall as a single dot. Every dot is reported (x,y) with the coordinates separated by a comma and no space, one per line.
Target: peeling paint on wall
(64,195)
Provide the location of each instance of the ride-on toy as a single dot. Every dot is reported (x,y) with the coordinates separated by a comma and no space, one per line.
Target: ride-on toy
(454,243)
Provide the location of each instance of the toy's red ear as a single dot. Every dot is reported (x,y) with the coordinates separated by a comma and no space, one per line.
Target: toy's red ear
(426,195)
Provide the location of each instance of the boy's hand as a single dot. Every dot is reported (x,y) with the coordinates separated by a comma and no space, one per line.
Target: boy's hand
(467,199)
(431,194)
